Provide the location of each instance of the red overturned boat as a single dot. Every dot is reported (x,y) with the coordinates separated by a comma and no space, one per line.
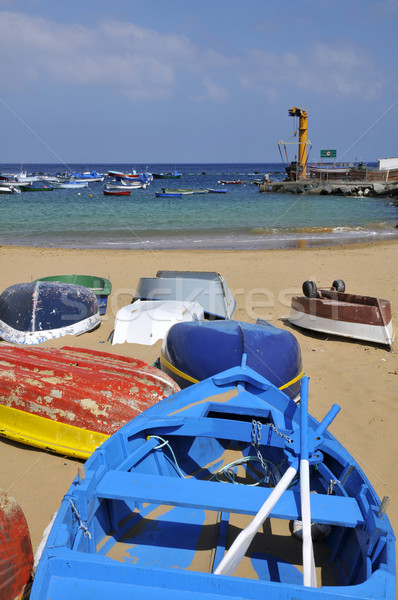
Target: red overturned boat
(16,555)
(70,400)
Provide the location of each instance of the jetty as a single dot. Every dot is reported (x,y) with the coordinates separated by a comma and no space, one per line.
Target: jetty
(336,187)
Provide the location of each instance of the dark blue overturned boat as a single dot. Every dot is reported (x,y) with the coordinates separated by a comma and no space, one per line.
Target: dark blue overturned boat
(194,351)
(31,313)
(164,508)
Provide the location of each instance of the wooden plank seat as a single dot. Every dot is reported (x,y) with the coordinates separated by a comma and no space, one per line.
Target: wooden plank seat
(210,495)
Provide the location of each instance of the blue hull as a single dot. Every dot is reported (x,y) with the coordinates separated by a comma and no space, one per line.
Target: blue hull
(31,313)
(161,500)
(195,351)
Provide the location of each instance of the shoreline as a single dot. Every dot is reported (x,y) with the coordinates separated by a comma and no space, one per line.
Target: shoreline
(316,237)
(360,377)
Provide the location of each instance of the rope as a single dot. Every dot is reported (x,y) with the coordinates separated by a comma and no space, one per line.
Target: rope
(81,524)
(166,443)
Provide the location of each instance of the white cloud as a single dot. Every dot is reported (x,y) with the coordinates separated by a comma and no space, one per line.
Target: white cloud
(337,70)
(143,64)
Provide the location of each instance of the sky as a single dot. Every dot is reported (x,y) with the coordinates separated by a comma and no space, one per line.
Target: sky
(122,81)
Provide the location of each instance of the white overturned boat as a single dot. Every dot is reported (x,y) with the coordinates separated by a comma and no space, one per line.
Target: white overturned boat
(147,321)
(349,315)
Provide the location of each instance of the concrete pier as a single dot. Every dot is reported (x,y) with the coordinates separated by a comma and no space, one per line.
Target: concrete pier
(338,188)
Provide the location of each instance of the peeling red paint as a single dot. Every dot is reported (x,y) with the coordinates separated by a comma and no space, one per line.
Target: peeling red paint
(16,556)
(93,390)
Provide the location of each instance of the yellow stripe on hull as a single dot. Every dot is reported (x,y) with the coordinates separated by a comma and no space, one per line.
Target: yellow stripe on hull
(183,375)
(46,434)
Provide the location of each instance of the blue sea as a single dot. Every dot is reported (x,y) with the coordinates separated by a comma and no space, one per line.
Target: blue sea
(241,218)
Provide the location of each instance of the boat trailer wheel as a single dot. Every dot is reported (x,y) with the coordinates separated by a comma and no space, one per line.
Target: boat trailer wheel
(309,289)
(338,285)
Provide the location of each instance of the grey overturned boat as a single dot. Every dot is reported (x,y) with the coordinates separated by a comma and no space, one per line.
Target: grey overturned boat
(334,312)
(31,313)
(207,288)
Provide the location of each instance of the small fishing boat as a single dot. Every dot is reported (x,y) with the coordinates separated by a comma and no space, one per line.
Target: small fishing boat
(31,313)
(171,175)
(207,288)
(147,321)
(125,184)
(335,312)
(10,189)
(195,351)
(198,497)
(70,185)
(16,555)
(182,191)
(36,188)
(120,175)
(89,176)
(70,400)
(236,181)
(116,192)
(173,194)
(216,191)
(133,176)
(100,286)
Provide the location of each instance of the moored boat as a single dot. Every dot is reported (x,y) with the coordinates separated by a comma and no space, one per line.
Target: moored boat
(235,181)
(88,176)
(169,175)
(195,351)
(173,194)
(184,191)
(100,286)
(335,312)
(386,171)
(36,188)
(31,313)
(116,192)
(70,185)
(165,507)
(70,400)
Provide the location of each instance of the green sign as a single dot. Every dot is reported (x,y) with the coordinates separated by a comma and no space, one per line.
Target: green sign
(328,153)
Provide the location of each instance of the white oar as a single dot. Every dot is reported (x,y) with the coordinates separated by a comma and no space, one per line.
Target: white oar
(309,574)
(238,549)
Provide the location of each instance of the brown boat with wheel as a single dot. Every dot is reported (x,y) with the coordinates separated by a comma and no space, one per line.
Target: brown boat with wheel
(335,312)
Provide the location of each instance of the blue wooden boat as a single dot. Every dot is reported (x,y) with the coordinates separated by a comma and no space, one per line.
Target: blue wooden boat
(170,175)
(164,508)
(31,313)
(197,350)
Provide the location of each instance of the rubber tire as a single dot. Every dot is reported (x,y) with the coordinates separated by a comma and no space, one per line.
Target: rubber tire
(310,289)
(339,285)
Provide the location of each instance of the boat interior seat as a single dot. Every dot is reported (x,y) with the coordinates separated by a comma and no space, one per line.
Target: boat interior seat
(210,495)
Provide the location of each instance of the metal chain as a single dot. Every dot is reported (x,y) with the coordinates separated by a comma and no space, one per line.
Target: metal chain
(256,437)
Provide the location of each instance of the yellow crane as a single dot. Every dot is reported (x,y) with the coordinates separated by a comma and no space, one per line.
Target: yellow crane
(299,169)
(302,143)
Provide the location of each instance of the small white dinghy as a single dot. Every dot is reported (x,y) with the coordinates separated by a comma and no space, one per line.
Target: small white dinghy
(349,315)
(147,321)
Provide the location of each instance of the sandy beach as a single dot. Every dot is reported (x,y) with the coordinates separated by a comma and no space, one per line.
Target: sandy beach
(360,377)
